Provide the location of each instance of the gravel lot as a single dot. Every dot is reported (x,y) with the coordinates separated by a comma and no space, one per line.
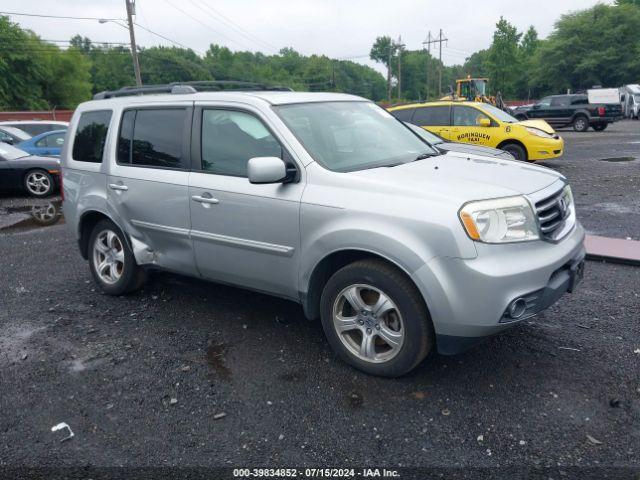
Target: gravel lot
(143,379)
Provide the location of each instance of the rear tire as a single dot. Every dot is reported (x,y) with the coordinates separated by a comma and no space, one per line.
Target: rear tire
(375,318)
(516,150)
(111,261)
(599,127)
(580,123)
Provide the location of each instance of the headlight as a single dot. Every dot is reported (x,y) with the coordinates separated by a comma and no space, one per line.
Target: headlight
(502,220)
(538,133)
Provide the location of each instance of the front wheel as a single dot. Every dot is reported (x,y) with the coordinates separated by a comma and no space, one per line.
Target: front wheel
(111,261)
(518,152)
(375,319)
(38,183)
(581,123)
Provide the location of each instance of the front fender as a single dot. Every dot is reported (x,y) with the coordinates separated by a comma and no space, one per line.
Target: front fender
(327,230)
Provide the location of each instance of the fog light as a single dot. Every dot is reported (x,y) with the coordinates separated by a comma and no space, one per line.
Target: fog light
(517,308)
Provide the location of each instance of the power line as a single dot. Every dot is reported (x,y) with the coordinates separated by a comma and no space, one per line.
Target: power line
(236,26)
(21,14)
(195,19)
(167,38)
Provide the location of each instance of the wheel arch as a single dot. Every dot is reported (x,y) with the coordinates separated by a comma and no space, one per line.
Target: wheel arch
(334,261)
(581,113)
(514,142)
(88,220)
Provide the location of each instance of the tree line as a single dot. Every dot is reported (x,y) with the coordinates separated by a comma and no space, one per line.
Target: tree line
(596,46)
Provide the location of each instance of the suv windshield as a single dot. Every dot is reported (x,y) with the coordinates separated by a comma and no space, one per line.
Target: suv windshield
(497,113)
(349,136)
(7,152)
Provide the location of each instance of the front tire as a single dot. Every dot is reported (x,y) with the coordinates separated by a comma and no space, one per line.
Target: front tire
(111,261)
(518,152)
(581,124)
(375,318)
(38,183)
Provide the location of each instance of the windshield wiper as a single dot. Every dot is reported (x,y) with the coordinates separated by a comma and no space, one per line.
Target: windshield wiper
(424,156)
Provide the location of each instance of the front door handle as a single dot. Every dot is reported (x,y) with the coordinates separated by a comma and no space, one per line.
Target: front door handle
(117,186)
(206,200)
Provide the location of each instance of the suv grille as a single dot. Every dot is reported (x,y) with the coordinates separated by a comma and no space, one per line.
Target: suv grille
(553,213)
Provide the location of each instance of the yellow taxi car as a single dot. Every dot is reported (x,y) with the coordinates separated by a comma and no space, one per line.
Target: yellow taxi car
(484,124)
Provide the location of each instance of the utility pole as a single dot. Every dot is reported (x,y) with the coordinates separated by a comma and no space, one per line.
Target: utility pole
(389,71)
(427,42)
(438,40)
(400,46)
(131,10)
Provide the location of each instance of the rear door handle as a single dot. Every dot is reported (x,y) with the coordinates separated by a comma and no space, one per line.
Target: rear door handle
(207,200)
(116,186)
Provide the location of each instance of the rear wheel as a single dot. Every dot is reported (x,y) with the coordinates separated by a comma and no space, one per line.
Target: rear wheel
(375,319)
(38,183)
(518,151)
(581,123)
(111,261)
(599,127)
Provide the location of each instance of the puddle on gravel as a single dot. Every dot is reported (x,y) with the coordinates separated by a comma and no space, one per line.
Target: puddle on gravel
(215,359)
(31,217)
(618,159)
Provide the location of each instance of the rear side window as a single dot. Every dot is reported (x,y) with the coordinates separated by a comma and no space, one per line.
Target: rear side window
(581,100)
(431,116)
(403,115)
(153,138)
(91,134)
(560,102)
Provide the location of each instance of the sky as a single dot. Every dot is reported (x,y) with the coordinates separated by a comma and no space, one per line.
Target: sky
(340,29)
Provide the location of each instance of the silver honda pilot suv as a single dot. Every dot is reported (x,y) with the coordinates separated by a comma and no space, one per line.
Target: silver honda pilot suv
(324,199)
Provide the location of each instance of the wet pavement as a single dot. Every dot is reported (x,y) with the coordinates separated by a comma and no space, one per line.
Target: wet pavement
(192,373)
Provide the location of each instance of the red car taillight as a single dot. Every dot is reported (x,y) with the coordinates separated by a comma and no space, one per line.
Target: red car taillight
(602,111)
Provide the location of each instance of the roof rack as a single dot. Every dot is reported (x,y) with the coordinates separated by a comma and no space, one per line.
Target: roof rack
(190,87)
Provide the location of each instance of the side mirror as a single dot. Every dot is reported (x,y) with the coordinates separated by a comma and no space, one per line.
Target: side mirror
(484,122)
(266,170)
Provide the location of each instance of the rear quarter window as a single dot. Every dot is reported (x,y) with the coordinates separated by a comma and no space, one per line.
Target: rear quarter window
(91,134)
(404,115)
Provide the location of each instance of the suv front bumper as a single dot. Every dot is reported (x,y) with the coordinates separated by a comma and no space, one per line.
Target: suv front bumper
(468,299)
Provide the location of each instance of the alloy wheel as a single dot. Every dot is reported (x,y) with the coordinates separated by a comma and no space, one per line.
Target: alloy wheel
(38,183)
(108,257)
(368,323)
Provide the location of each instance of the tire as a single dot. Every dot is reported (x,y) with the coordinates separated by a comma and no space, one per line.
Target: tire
(405,319)
(38,183)
(580,123)
(518,151)
(599,127)
(111,261)
(521,117)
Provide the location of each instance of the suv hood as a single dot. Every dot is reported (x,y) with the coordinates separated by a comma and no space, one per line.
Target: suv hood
(463,176)
(539,124)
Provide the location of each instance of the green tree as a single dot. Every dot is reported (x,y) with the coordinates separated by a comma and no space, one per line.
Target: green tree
(21,68)
(68,78)
(504,63)
(597,46)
